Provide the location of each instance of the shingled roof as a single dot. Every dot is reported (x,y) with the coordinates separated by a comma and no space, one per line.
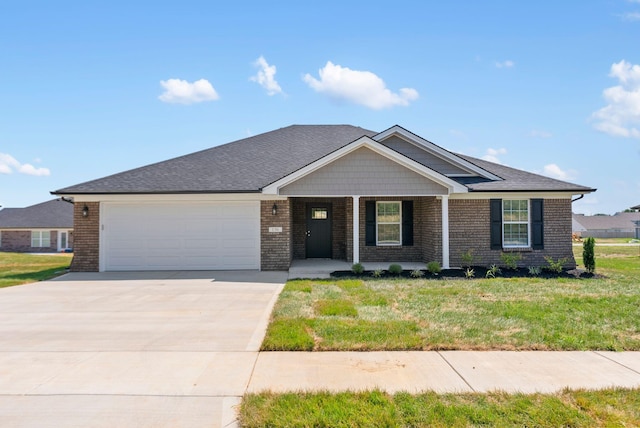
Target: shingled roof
(250,164)
(55,214)
(245,165)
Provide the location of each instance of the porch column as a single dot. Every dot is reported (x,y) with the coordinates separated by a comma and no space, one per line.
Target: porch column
(445,232)
(356,229)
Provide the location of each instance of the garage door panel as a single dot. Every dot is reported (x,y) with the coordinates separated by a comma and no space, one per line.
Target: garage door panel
(196,236)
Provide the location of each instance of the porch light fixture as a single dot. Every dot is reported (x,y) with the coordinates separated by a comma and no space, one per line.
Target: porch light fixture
(274,209)
(85,211)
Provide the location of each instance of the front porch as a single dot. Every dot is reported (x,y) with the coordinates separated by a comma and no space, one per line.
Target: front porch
(322,268)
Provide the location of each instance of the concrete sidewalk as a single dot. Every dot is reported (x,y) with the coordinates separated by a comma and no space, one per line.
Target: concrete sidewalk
(445,371)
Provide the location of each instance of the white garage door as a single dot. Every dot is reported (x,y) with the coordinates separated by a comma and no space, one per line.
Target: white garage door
(181,236)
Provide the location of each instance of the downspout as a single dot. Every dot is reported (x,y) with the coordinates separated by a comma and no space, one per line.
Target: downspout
(578,198)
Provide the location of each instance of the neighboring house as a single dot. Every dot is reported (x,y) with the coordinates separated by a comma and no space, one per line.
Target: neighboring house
(42,228)
(620,225)
(319,191)
(637,208)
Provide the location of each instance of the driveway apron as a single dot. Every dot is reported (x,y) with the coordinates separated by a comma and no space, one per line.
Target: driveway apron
(155,349)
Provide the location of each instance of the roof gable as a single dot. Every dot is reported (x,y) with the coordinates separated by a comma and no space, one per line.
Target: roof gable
(430,154)
(380,150)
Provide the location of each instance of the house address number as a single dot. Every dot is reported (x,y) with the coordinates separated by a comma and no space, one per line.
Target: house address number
(275,229)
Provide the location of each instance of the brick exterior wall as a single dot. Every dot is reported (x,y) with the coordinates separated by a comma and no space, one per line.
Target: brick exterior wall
(86,245)
(275,247)
(19,241)
(432,230)
(469,229)
(338,226)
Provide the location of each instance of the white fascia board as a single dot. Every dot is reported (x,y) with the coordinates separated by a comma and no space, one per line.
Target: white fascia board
(514,195)
(453,186)
(168,197)
(435,150)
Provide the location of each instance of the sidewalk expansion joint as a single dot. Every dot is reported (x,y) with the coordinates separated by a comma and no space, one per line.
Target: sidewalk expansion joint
(456,371)
(617,362)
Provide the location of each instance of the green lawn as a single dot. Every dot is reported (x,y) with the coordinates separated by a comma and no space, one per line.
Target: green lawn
(19,268)
(601,313)
(519,313)
(612,407)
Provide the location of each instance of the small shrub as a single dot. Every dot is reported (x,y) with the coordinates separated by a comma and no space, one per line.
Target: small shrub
(434,268)
(511,260)
(469,273)
(357,268)
(535,270)
(395,269)
(555,266)
(417,273)
(493,271)
(467,258)
(588,254)
(377,273)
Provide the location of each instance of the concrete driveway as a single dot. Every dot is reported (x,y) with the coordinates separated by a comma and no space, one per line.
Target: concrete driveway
(154,349)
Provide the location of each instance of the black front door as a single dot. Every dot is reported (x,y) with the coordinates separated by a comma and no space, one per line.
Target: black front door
(319,230)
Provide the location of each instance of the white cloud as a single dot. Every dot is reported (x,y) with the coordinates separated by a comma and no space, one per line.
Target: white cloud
(182,92)
(359,87)
(505,64)
(622,113)
(537,133)
(554,171)
(630,16)
(492,155)
(265,76)
(9,165)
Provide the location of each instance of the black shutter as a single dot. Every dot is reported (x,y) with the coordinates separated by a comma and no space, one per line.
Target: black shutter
(370,223)
(495,206)
(537,224)
(407,223)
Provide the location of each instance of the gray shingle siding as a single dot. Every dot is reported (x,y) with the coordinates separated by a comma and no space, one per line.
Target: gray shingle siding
(363,172)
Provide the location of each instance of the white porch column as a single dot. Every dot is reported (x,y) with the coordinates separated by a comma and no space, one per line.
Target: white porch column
(445,232)
(356,229)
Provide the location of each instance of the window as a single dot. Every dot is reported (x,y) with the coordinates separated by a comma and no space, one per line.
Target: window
(388,223)
(319,213)
(392,224)
(515,223)
(40,238)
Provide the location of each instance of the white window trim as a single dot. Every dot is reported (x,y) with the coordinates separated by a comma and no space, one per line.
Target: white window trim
(528,244)
(40,232)
(378,243)
(60,232)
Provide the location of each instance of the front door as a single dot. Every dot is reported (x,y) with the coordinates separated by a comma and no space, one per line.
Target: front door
(319,230)
(63,240)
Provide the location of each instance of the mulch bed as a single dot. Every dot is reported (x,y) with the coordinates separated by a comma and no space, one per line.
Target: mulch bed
(479,273)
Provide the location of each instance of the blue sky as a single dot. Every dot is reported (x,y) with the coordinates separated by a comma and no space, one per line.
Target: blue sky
(87,90)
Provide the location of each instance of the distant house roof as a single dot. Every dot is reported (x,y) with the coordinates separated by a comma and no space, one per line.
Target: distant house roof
(619,221)
(51,214)
(250,164)
(637,207)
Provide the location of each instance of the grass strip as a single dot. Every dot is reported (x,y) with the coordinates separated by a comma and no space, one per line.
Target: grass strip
(574,408)
(18,268)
